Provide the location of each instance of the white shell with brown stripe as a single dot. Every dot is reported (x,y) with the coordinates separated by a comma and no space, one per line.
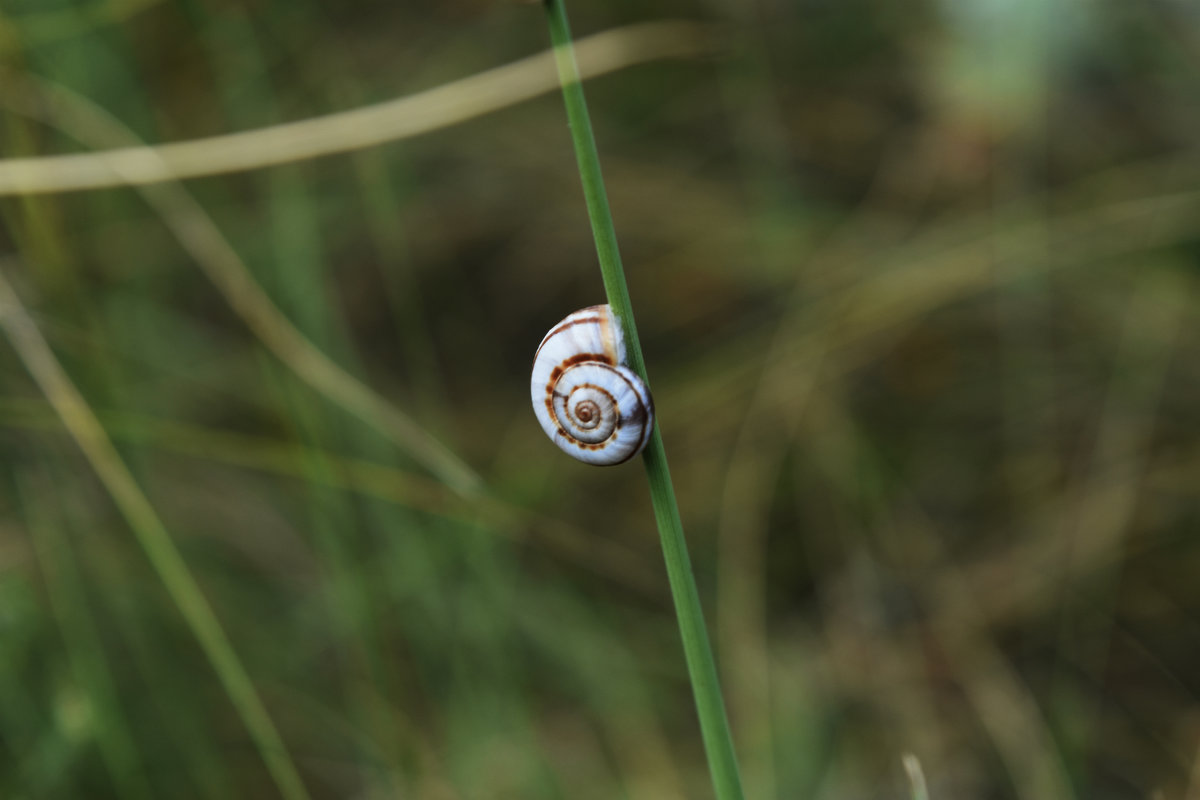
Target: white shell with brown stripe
(587,400)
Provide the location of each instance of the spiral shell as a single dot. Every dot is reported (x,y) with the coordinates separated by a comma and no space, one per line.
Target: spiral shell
(588,402)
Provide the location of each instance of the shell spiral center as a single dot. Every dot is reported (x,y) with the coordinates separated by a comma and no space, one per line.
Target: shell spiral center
(586,411)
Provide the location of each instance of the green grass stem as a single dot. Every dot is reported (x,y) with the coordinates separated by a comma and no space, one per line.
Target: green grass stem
(81,638)
(78,417)
(710,705)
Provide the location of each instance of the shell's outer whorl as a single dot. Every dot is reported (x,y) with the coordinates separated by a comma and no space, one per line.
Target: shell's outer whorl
(589,403)
(605,338)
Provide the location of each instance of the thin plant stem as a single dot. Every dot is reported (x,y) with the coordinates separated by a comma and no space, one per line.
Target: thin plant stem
(710,705)
(77,416)
(916,777)
(138,164)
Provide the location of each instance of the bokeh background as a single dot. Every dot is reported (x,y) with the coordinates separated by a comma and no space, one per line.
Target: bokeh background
(917,287)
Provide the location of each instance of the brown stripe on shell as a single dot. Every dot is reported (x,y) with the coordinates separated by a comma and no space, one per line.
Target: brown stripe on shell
(570,323)
(584,445)
(578,358)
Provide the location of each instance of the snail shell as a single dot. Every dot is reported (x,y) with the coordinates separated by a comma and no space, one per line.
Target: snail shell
(588,402)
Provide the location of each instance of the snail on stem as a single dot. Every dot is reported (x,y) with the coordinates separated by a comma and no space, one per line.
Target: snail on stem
(588,401)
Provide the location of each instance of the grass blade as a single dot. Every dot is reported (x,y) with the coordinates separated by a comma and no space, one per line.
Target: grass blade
(710,705)
(215,255)
(77,416)
(368,126)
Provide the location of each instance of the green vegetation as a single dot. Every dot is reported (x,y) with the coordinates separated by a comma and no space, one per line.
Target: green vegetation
(917,292)
(693,631)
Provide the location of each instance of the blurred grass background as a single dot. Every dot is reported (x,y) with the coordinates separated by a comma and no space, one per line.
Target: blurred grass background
(917,288)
